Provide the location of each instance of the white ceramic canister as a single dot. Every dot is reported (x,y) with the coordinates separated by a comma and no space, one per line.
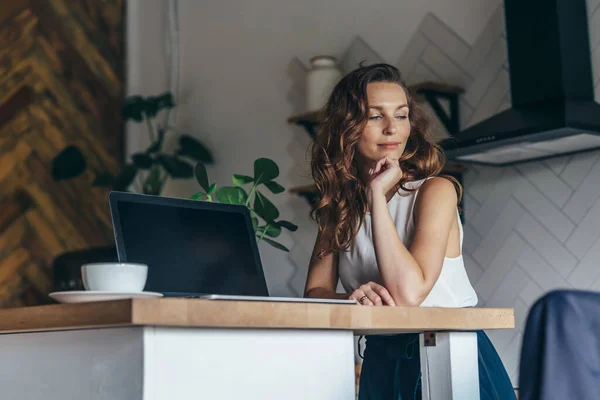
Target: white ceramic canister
(322,77)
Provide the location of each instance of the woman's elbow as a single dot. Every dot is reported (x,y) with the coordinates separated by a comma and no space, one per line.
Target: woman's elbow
(408,298)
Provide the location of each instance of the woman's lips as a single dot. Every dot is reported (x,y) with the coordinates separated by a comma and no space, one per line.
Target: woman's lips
(390,145)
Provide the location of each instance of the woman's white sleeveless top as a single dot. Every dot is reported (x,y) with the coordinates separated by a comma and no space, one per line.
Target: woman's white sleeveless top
(358,264)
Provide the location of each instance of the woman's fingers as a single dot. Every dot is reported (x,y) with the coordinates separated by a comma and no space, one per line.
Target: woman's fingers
(384,294)
(380,164)
(362,298)
(372,294)
(366,296)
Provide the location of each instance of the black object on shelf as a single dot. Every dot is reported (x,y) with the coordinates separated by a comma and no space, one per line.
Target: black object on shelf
(450,120)
(66,268)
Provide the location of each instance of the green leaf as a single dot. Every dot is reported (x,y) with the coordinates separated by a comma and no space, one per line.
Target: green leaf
(239,180)
(154,104)
(264,208)
(265,170)
(133,108)
(103,179)
(165,101)
(272,230)
(176,167)
(276,244)
(212,188)
(231,195)
(191,147)
(155,147)
(151,108)
(274,187)
(69,163)
(142,160)
(288,225)
(125,177)
(198,195)
(201,176)
(254,223)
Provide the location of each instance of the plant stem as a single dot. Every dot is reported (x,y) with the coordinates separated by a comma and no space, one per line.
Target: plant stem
(150,129)
(163,177)
(139,185)
(167,115)
(254,186)
(250,194)
(263,233)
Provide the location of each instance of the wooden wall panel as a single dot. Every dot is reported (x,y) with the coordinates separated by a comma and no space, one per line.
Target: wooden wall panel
(61,83)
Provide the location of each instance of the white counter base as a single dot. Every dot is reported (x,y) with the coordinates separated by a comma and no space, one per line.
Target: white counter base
(450,369)
(163,363)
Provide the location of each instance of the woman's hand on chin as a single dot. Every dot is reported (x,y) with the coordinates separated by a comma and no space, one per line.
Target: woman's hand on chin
(372,294)
(385,174)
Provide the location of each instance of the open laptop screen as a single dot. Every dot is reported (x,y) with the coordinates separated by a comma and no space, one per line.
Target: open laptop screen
(190,247)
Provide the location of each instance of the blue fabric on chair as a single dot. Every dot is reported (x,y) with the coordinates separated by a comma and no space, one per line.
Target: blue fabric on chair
(560,355)
(391,370)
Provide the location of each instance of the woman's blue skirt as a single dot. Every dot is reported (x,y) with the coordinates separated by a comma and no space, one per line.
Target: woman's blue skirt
(391,369)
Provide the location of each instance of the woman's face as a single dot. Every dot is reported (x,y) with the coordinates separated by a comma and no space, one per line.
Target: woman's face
(388,126)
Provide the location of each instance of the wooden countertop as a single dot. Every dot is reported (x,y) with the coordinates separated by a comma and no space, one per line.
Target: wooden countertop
(247,314)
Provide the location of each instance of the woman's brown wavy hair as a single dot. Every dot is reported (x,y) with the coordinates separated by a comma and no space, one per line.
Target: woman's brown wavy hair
(342,203)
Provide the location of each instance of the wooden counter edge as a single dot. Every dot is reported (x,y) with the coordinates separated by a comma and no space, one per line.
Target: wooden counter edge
(274,315)
(66,316)
(180,312)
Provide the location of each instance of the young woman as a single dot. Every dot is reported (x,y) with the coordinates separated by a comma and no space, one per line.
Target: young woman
(389,226)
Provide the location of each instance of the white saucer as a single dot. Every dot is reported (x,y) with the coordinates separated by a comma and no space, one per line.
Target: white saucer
(82,296)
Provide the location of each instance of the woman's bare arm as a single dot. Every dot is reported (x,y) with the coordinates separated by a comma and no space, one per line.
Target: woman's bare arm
(409,274)
(323,274)
(323,277)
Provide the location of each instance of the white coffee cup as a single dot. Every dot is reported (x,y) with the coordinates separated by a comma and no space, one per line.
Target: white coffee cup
(114,277)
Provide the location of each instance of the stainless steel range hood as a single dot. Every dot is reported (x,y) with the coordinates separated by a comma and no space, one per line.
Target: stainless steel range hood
(553,109)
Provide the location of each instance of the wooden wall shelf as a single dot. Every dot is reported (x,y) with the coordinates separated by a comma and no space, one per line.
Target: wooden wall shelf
(307,192)
(311,116)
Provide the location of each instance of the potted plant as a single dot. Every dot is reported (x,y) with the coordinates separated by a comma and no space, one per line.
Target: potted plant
(148,170)
(261,208)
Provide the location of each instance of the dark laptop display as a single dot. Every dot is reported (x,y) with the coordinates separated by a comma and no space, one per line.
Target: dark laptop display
(191,247)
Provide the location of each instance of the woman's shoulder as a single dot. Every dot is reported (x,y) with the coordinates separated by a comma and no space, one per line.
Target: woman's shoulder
(428,182)
(437,189)
(436,182)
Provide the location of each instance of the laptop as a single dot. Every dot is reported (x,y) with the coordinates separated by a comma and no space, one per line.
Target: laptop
(196,249)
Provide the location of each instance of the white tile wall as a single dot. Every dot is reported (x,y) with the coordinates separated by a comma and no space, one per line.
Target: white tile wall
(578,168)
(530,228)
